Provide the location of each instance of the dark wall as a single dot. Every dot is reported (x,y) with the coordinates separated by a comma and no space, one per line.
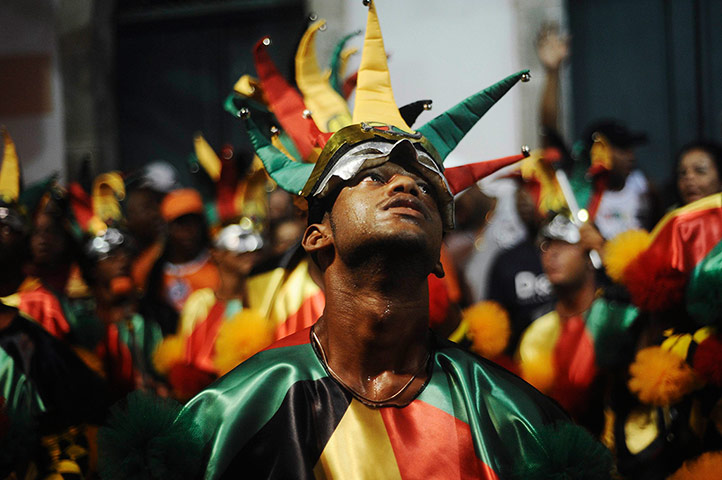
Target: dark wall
(654,64)
(176,67)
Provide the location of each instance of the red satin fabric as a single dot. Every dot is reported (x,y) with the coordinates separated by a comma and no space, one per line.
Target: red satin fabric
(43,307)
(200,346)
(418,428)
(575,368)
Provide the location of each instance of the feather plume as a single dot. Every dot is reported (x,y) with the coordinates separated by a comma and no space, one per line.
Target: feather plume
(169,352)
(489,328)
(622,249)
(146,439)
(659,377)
(653,289)
(241,337)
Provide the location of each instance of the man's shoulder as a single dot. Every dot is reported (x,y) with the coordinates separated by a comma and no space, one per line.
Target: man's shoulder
(491,382)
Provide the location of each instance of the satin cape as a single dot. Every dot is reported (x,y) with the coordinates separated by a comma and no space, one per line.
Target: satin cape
(280,415)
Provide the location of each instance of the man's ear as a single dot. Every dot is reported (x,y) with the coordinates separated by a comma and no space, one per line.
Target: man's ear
(438,269)
(317,237)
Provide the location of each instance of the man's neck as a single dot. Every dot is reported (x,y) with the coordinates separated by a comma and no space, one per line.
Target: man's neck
(231,285)
(575,300)
(374,330)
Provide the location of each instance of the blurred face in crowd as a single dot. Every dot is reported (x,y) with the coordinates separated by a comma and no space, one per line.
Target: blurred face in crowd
(623,161)
(565,264)
(526,207)
(48,242)
(115,265)
(697,176)
(186,237)
(237,263)
(143,216)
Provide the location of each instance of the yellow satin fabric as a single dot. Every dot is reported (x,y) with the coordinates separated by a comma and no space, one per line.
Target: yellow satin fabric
(346,457)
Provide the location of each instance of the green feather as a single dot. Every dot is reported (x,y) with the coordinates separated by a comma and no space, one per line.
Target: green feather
(565,451)
(145,439)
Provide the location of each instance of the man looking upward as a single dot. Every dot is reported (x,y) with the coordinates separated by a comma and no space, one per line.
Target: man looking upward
(368,392)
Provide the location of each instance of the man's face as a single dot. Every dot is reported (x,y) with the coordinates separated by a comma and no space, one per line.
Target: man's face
(116,264)
(390,205)
(623,161)
(48,241)
(143,214)
(565,264)
(186,234)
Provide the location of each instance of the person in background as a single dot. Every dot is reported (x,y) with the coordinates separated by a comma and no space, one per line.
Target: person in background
(566,352)
(185,265)
(48,396)
(699,171)
(617,196)
(143,218)
(127,338)
(517,280)
(217,329)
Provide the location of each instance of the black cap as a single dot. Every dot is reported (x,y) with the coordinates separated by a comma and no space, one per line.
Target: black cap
(617,134)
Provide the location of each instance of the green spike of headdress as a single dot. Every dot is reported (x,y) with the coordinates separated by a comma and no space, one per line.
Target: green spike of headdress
(337,62)
(289,175)
(377,119)
(447,130)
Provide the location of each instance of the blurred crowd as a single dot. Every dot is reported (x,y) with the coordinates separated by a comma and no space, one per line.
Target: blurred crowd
(131,281)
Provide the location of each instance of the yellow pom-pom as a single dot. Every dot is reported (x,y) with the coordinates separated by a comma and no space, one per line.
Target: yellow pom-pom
(488,328)
(169,352)
(705,467)
(622,249)
(659,377)
(539,372)
(241,337)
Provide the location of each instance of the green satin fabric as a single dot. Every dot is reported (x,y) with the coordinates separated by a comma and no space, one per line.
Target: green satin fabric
(608,323)
(17,389)
(703,290)
(503,413)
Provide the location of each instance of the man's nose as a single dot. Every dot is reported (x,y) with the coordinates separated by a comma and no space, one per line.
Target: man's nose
(405,184)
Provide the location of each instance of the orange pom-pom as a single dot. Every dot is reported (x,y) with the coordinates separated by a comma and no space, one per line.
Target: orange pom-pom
(622,249)
(659,377)
(540,373)
(705,467)
(488,328)
(169,352)
(239,338)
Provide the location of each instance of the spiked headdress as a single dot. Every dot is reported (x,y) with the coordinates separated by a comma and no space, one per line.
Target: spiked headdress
(379,126)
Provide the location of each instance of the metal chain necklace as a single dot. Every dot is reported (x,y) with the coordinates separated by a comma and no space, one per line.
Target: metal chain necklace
(363,399)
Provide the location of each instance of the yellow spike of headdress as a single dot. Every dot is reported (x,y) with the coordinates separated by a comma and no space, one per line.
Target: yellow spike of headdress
(10,171)
(108,190)
(329,109)
(207,157)
(374,96)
